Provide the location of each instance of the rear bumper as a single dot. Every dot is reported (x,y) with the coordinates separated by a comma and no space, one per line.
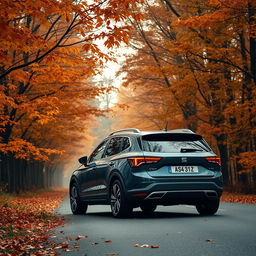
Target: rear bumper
(181,197)
(182,194)
(175,193)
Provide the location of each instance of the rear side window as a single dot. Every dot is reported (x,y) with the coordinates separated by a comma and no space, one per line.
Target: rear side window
(98,152)
(126,143)
(174,143)
(117,145)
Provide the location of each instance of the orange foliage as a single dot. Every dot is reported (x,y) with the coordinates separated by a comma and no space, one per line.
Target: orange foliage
(49,53)
(247,160)
(197,59)
(146,108)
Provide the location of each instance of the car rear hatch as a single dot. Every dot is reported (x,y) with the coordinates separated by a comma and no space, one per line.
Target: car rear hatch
(177,155)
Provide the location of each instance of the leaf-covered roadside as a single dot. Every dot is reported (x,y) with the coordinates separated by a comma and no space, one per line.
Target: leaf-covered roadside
(238,198)
(26,222)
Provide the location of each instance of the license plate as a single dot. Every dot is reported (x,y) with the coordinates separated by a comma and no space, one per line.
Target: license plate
(185,169)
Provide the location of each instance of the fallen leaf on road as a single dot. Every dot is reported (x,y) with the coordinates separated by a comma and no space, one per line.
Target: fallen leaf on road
(94,243)
(80,237)
(69,250)
(108,241)
(57,247)
(112,253)
(55,253)
(144,246)
(64,245)
(209,240)
(155,246)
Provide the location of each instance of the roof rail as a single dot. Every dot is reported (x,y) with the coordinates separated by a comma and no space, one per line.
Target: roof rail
(126,130)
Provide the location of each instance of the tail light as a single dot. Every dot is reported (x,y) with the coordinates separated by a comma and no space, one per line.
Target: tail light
(141,194)
(214,159)
(138,161)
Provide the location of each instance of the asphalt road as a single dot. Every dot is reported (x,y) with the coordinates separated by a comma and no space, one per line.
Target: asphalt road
(178,230)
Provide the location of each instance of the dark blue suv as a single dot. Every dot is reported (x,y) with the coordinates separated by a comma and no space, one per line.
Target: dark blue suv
(133,168)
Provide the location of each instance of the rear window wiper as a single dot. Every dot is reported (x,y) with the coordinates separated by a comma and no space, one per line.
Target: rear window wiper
(183,150)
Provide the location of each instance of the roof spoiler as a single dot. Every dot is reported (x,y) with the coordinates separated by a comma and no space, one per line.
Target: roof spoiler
(126,130)
(180,131)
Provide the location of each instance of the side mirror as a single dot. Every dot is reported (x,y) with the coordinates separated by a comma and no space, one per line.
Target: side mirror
(83,160)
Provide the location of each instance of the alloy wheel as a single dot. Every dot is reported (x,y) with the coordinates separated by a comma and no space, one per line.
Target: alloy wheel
(115,199)
(73,199)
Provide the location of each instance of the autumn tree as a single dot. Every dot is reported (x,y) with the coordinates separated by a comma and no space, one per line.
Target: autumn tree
(204,53)
(222,63)
(48,55)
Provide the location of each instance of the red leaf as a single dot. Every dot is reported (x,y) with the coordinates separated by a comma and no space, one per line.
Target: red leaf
(64,245)
(80,237)
(69,250)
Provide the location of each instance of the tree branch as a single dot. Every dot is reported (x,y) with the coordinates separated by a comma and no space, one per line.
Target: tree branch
(37,59)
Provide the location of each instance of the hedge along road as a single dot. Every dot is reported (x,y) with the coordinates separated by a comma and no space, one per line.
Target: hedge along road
(177,230)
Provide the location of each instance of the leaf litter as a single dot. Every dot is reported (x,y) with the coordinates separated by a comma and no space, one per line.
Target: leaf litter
(27,223)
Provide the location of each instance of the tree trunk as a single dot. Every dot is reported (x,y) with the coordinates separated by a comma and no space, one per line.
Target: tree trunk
(223,150)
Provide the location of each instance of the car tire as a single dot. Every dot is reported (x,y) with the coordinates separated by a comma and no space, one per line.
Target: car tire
(148,208)
(76,205)
(208,207)
(118,201)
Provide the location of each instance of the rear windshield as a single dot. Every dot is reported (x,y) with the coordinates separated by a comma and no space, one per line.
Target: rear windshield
(174,143)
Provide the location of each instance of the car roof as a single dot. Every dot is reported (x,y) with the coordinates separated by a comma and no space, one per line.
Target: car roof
(137,132)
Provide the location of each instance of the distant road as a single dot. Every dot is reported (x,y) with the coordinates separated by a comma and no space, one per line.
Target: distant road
(178,230)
